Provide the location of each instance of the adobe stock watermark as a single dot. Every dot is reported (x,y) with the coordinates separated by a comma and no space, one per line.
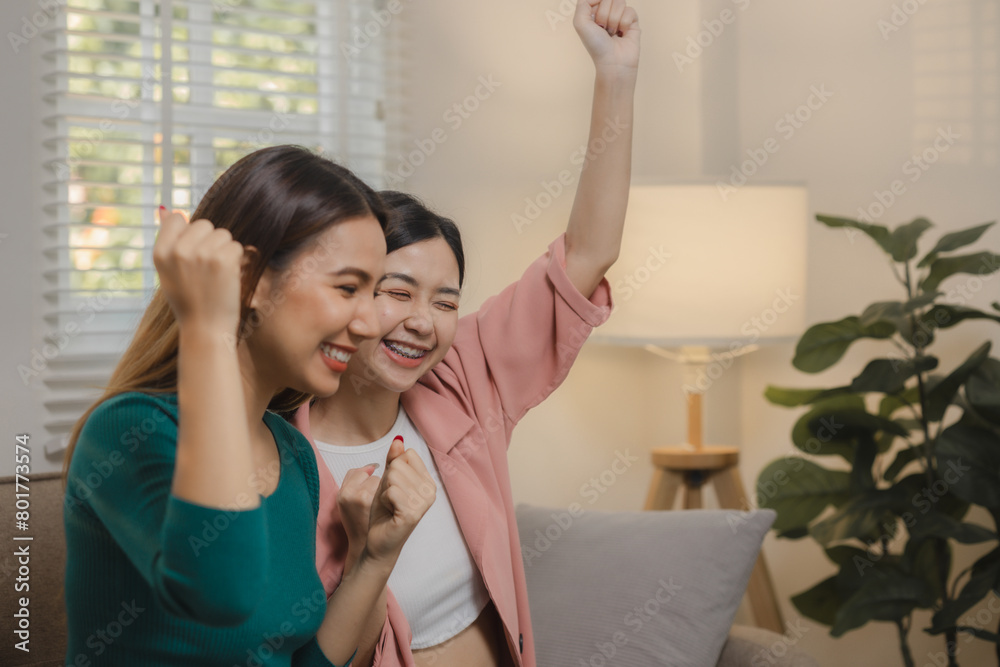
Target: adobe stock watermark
(899,17)
(779,648)
(561,14)
(264,136)
(363,36)
(82,485)
(455,116)
(635,280)
(32,25)
(591,490)
(752,329)
(914,168)
(57,341)
(712,29)
(786,126)
(635,619)
(272,642)
(924,501)
(102,639)
(552,190)
(83,146)
(983,619)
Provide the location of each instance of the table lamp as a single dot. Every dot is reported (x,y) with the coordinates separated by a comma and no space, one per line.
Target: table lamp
(707,273)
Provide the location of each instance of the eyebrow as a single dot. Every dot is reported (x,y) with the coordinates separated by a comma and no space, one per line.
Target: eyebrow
(360,274)
(412,282)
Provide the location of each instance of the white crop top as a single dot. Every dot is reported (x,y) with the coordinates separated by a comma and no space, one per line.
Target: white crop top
(435,581)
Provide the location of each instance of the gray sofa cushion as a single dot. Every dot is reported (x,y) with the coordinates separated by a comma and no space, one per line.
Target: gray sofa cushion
(634,589)
(756,647)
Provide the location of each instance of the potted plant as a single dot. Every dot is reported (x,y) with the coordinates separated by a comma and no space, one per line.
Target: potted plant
(921,446)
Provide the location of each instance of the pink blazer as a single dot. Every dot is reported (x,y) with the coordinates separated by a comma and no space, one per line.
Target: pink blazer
(506,359)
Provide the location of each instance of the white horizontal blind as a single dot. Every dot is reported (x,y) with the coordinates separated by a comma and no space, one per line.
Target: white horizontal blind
(196,84)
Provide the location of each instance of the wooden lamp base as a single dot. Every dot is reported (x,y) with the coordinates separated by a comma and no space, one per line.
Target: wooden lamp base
(688,469)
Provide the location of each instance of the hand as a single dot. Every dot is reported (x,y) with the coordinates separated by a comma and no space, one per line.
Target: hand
(610,32)
(405,493)
(355,504)
(200,269)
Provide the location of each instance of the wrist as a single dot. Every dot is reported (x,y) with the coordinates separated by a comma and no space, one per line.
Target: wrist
(375,564)
(615,74)
(207,333)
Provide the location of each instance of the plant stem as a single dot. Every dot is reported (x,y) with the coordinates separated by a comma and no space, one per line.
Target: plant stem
(904,647)
(940,545)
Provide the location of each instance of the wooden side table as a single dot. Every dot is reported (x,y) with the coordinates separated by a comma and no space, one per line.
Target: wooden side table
(688,469)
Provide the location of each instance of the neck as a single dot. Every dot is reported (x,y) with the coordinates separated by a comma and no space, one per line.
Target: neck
(359,413)
(257,392)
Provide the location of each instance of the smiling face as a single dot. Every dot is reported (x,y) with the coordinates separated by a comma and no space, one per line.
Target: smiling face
(417,309)
(311,318)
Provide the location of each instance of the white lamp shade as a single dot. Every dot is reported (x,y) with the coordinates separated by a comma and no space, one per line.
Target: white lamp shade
(704,267)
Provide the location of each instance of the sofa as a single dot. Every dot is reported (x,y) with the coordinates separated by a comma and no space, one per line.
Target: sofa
(739,646)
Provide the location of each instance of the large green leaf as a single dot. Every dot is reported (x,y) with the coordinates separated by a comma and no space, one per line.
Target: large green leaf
(821,602)
(903,458)
(886,594)
(920,301)
(822,345)
(795,397)
(862,478)
(985,578)
(943,316)
(968,461)
(844,554)
(914,495)
(941,394)
(866,516)
(937,524)
(833,425)
(922,559)
(878,233)
(903,240)
(889,404)
(981,263)
(890,311)
(954,241)
(982,389)
(889,376)
(799,490)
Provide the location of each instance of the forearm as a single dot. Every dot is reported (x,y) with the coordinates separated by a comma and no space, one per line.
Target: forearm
(355,614)
(214,464)
(594,232)
(376,620)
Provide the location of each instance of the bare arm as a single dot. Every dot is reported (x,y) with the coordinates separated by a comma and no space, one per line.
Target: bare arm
(199,268)
(356,611)
(609,30)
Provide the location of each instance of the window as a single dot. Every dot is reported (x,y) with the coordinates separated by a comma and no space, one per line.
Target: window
(138,84)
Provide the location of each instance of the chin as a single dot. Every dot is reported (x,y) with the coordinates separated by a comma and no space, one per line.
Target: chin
(326,388)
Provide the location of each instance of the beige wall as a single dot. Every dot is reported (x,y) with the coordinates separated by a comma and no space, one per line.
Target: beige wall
(857,142)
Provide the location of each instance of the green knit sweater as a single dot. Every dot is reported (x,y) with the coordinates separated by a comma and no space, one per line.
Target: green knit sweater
(152,580)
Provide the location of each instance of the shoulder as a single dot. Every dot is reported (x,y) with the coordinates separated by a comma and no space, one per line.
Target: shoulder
(287,435)
(291,440)
(130,418)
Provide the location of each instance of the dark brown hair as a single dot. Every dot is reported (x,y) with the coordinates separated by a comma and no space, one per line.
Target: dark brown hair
(277,200)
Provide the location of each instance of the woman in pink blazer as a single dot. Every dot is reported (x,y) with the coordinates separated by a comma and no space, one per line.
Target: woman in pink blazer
(454,389)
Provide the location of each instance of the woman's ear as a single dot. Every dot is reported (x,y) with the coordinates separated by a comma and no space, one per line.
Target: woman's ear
(263,287)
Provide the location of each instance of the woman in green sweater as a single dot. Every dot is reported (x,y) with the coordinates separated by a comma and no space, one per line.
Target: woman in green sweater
(190,507)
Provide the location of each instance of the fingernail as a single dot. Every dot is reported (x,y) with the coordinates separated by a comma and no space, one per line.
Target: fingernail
(162,207)
(398,437)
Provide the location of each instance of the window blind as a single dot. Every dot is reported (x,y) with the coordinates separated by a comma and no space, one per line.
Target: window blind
(134,86)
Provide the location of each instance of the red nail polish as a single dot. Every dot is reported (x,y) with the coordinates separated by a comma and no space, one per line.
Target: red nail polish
(163,208)
(398,437)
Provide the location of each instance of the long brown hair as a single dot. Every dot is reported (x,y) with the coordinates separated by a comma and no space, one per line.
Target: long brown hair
(277,200)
